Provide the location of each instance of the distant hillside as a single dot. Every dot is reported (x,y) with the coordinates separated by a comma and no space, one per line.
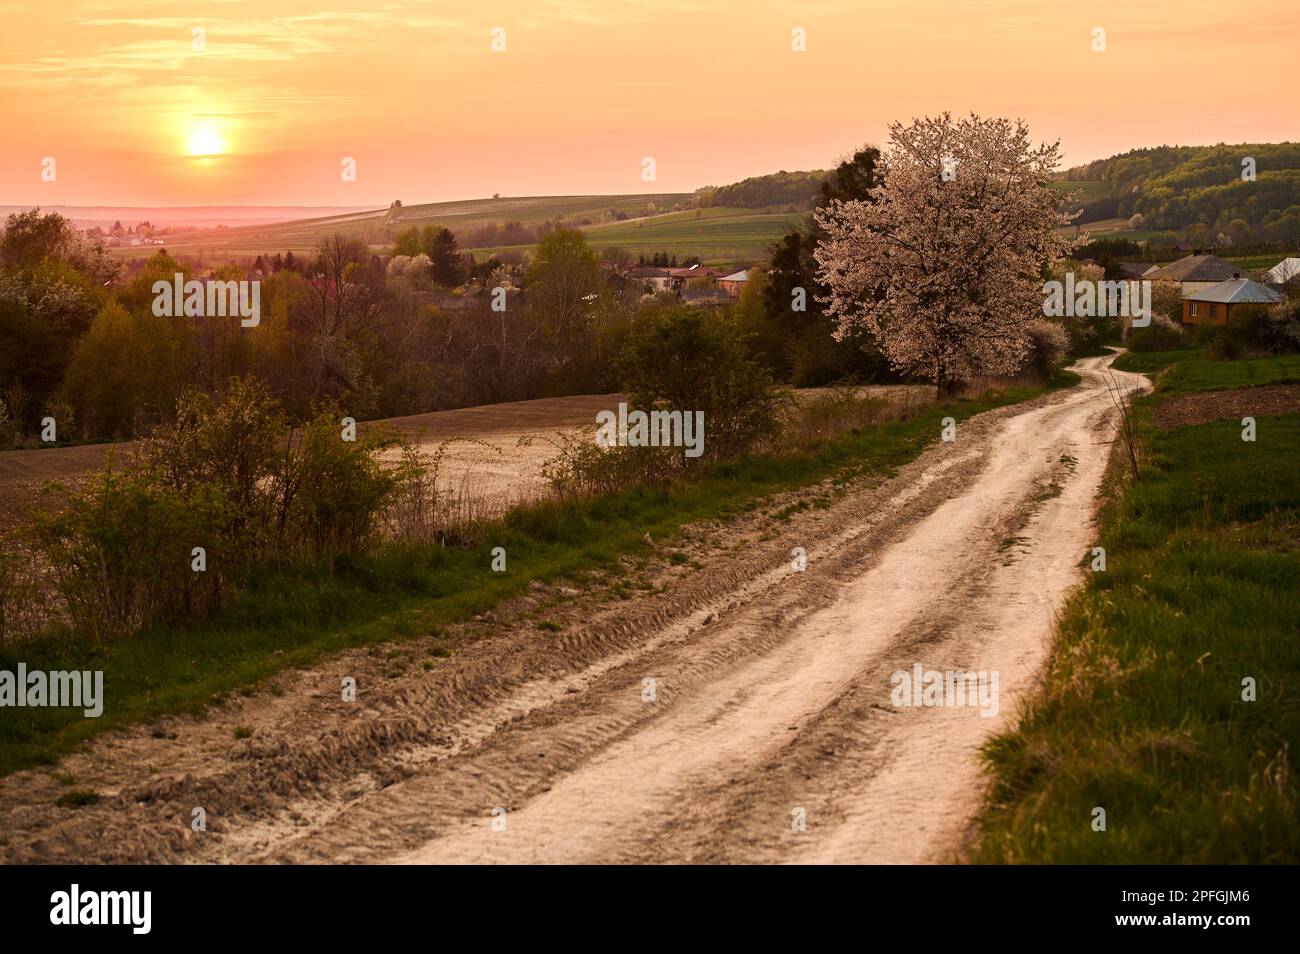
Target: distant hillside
(1190,187)
(796,190)
(205,216)
(378,227)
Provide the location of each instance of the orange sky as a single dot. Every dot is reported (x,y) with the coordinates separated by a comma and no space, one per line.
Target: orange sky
(585,89)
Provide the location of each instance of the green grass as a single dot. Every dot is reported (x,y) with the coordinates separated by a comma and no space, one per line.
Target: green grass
(1258,262)
(1150,361)
(301,236)
(717,235)
(1202,374)
(1142,710)
(291,617)
(1191,371)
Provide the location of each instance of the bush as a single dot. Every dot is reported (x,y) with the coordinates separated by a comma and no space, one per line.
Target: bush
(229,477)
(21,609)
(331,492)
(231,446)
(691,360)
(121,551)
(8,428)
(65,419)
(1160,335)
(1048,346)
(582,468)
(1258,331)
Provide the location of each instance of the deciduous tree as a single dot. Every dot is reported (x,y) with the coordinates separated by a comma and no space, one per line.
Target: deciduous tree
(944,266)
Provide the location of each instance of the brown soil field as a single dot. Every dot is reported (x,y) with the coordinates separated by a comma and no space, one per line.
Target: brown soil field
(1236,404)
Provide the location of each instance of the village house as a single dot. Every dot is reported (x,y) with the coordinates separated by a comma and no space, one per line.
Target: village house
(1195,273)
(1214,305)
(734,283)
(678,277)
(656,278)
(1134,270)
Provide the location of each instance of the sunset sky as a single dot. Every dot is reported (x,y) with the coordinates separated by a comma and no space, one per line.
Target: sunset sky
(284,90)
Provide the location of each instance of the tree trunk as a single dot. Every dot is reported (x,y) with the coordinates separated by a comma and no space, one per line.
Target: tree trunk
(946,387)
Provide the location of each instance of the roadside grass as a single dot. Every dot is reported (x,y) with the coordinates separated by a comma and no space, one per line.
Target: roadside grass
(1142,711)
(292,616)
(1202,374)
(1191,371)
(1152,361)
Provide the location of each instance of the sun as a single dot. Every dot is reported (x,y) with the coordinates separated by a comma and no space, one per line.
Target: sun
(205,140)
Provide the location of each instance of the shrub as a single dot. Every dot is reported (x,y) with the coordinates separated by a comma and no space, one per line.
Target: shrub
(220,478)
(1160,335)
(583,468)
(8,428)
(121,551)
(1048,346)
(65,419)
(692,360)
(331,492)
(230,446)
(21,609)
(1258,330)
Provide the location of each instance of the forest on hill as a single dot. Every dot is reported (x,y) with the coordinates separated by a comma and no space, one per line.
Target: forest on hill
(1249,192)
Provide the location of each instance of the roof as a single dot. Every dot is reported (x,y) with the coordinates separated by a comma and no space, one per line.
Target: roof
(1284,270)
(741,276)
(693,271)
(1136,269)
(1196,268)
(1236,291)
(648,272)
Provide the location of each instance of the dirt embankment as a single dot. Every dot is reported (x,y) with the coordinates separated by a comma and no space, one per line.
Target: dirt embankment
(741,710)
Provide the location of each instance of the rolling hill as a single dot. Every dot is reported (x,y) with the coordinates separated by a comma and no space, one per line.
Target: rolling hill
(635,222)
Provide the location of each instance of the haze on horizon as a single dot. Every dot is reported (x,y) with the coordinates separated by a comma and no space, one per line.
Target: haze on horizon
(265,113)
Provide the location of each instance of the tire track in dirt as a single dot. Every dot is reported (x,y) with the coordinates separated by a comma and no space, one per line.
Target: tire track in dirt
(939,596)
(772,693)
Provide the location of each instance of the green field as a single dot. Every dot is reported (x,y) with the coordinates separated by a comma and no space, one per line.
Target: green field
(378,226)
(719,236)
(1144,710)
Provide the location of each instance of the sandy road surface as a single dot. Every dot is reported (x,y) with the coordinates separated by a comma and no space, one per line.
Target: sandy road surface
(772,695)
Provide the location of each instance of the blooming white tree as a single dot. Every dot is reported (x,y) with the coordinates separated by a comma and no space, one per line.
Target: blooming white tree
(943,263)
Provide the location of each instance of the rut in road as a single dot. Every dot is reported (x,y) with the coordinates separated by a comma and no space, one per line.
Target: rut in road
(771,701)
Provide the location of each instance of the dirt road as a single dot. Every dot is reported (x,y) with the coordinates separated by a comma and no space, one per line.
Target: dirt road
(710,719)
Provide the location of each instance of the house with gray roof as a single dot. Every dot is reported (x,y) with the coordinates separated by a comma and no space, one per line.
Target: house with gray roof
(1214,305)
(1196,272)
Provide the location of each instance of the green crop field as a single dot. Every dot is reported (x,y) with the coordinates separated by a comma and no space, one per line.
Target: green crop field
(718,236)
(378,227)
